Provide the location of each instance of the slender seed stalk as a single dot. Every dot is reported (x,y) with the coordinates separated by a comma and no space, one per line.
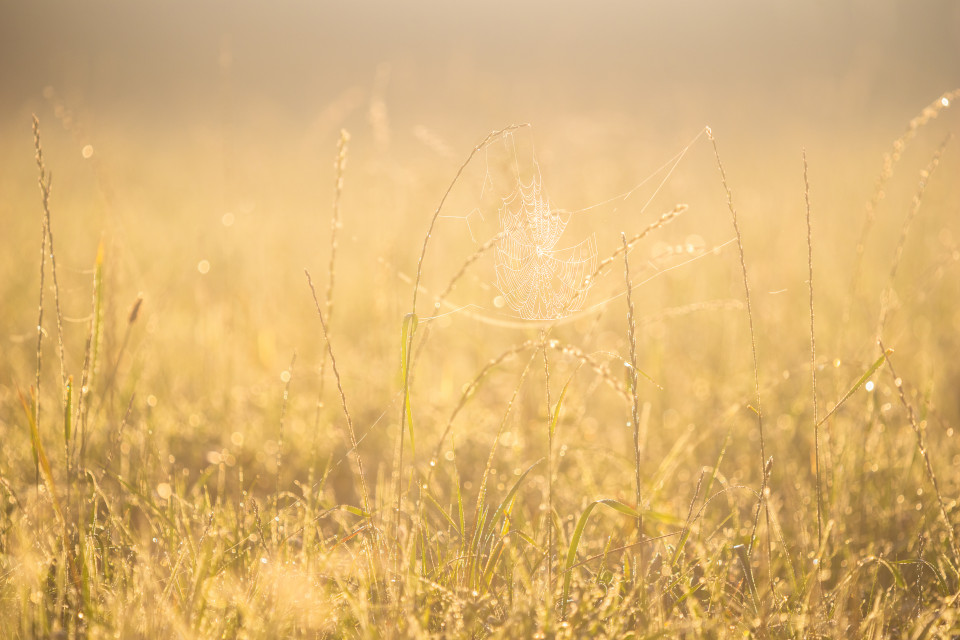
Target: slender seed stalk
(922,447)
(335,224)
(343,399)
(550,542)
(634,379)
(926,174)
(813,358)
(287,377)
(44,189)
(753,341)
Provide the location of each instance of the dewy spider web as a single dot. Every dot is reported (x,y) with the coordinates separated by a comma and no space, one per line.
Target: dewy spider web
(538,280)
(532,261)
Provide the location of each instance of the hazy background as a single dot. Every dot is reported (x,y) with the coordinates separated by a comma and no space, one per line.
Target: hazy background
(212,129)
(256,82)
(169,63)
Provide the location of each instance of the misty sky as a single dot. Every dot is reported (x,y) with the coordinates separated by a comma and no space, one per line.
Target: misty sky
(173,60)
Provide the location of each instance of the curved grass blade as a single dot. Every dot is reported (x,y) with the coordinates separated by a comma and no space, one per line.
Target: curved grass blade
(615,505)
(507,500)
(410,322)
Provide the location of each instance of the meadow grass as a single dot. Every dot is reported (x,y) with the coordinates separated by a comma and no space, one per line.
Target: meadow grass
(612,475)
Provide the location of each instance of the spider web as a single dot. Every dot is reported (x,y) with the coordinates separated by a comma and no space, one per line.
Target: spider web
(514,257)
(537,279)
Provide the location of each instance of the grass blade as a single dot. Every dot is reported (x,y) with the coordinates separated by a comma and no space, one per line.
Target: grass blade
(859,383)
(555,418)
(507,500)
(410,322)
(615,505)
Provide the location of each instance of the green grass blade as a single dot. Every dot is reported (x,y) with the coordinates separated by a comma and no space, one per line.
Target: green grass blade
(446,516)
(894,571)
(556,410)
(410,322)
(615,505)
(96,333)
(357,511)
(508,499)
(38,451)
(572,556)
(68,411)
(859,383)
(485,526)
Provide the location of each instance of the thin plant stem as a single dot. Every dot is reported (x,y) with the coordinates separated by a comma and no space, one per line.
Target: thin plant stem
(890,160)
(44,189)
(493,135)
(634,379)
(665,218)
(922,447)
(925,175)
(44,180)
(813,356)
(343,398)
(283,414)
(753,337)
(550,541)
(335,225)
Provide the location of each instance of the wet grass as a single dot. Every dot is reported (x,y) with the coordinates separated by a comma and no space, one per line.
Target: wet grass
(696,457)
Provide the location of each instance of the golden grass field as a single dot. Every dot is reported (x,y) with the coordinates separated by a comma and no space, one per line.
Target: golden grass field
(299,372)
